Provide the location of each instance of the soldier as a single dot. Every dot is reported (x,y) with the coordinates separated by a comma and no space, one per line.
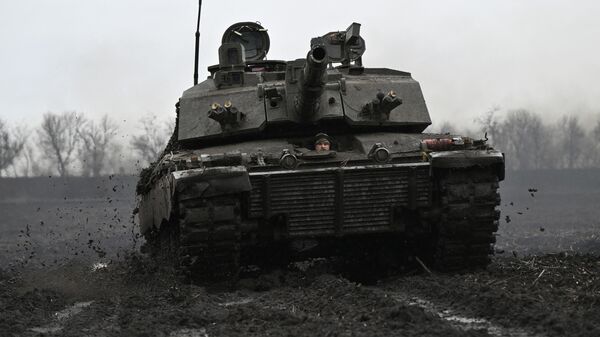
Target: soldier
(322,142)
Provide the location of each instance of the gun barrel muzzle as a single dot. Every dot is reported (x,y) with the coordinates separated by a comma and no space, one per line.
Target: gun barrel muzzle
(313,82)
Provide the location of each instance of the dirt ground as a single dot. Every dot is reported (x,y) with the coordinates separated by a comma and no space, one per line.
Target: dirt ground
(550,295)
(70,267)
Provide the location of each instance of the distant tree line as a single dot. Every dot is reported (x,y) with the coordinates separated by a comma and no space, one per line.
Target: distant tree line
(530,142)
(70,143)
(12,143)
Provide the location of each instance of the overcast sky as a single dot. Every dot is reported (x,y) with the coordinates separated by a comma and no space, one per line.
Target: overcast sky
(131,59)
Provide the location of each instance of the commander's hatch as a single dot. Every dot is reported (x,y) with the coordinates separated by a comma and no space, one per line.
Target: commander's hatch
(242,43)
(251,36)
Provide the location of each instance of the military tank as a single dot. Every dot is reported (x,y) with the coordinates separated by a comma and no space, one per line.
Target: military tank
(274,159)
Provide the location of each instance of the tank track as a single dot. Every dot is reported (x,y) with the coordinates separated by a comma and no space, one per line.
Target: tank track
(466,231)
(203,239)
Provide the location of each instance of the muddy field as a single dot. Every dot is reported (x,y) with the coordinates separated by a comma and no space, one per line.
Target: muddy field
(69,267)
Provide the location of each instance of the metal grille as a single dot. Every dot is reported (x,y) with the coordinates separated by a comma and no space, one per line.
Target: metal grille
(346,200)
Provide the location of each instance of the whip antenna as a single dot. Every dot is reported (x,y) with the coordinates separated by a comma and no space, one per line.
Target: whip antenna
(197,44)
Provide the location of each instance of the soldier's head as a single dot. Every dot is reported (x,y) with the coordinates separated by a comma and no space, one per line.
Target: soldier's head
(322,142)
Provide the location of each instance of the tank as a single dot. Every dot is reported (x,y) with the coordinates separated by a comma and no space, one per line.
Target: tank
(275,160)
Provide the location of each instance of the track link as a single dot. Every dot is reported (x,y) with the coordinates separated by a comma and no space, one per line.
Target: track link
(466,231)
(210,238)
(202,240)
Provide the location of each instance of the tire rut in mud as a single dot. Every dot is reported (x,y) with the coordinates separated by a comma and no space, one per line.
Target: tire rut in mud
(136,297)
(550,295)
(142,299)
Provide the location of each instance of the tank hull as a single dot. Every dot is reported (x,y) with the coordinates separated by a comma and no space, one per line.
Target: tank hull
(211,220)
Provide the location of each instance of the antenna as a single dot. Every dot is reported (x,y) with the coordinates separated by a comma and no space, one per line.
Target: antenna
(197,44)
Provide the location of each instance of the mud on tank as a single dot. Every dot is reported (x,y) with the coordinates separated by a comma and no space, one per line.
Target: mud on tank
(272,160)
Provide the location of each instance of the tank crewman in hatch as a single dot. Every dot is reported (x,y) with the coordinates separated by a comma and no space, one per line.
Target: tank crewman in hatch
(322,142)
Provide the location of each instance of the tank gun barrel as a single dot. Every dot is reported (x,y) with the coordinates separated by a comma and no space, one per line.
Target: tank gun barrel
(312,82)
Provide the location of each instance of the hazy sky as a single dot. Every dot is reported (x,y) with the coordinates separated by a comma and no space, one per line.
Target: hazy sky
(134,58)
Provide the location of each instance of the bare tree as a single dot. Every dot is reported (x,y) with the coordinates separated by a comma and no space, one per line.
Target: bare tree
(150,144)
(37,164)
(488,123)
(22,137)
(540,142)
(524,140)
(59,137)
(572,139)
(29,165)
(119,161)
(95,144)
(11,146)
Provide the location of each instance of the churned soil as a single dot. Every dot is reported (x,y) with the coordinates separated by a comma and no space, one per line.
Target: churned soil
(550,295)
(547,295)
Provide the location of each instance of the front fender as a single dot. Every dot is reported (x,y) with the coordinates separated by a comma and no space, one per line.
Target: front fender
(211,181)
(157,205)
(469,158)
